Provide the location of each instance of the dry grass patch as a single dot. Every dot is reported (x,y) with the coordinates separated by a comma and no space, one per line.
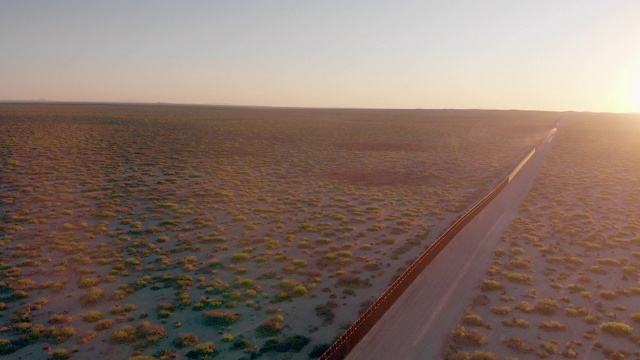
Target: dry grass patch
(616,329)
(168,218)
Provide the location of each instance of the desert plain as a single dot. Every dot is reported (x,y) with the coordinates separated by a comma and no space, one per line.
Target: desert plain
(167,231)
(565,280)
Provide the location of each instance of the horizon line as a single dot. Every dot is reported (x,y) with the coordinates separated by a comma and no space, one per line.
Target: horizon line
(95,102)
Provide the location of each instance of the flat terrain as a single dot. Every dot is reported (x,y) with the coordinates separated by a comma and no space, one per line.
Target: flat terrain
(173,231)
(416,326)
(564,281)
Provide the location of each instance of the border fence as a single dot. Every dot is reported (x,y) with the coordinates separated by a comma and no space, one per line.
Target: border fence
(350,338)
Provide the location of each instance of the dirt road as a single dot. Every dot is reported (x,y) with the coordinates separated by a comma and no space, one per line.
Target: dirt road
(415,327)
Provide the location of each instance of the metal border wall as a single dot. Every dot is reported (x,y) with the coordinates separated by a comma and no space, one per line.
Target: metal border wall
(350,338)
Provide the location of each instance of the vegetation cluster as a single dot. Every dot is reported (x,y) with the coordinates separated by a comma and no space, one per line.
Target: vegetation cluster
(173,231)
(565,280)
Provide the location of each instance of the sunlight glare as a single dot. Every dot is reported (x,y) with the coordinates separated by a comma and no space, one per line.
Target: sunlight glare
(635,97)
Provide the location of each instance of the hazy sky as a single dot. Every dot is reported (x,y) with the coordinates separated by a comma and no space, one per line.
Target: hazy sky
(537,54)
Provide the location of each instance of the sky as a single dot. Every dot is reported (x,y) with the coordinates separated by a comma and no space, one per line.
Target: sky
(581,55)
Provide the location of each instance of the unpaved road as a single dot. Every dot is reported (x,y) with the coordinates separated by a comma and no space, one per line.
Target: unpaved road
(416,326)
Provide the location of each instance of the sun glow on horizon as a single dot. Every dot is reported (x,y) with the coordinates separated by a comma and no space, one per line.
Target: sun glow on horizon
(556,55)
(635,96)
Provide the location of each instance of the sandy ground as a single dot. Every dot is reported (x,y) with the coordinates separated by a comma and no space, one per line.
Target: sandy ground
(292,216)
(576,239)
(416,325)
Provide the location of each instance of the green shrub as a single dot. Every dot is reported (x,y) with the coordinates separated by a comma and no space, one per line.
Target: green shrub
(574,288)
(616,329)
(629,270)
(7,347)
(240,343)
(221,317)
(126,334)
(552,326)
(515,322)
(299,262)
(282,296)
(472,320)
(60,319)
(524,307)
(598,270)
(517,344)
(88,336)
(501,310)
(202,351)
(185,340)
(372,266)
(240,257)
(590,319)
(62,334)
(271,326)
(92,296)
(608,262)
(150,333)
(491,285)
(59,354)
(548,348)
(132,262)
(548,306)
(146,357)
(287,284)
(608,295)
(88,282)
(520,278)
(635,317)
(482,355)
(576,312)
(463,337)
(556,285)
(300,290)
(104,325)
(92,316)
